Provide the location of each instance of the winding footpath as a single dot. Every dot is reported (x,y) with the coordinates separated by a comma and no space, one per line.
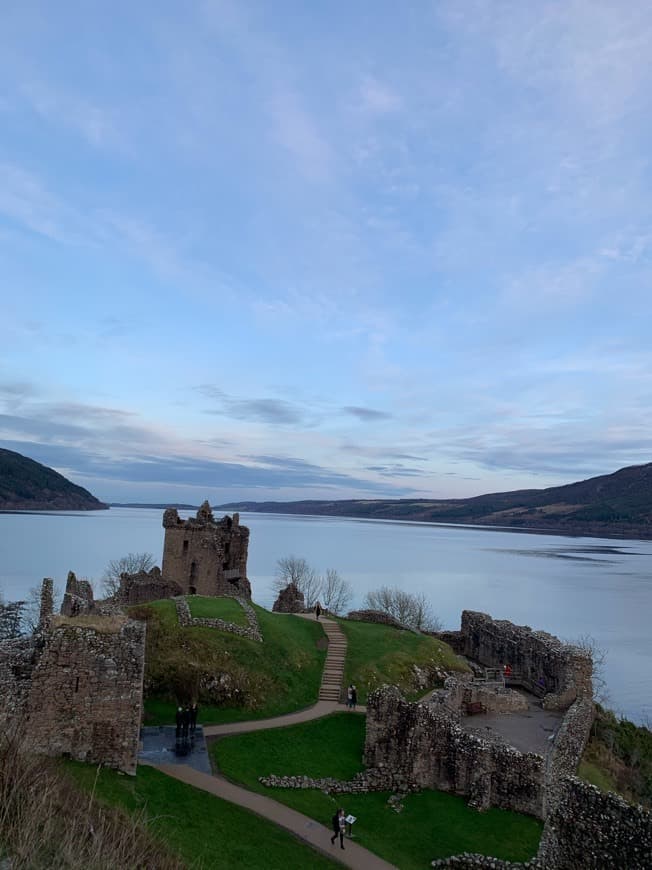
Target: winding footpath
(303,827)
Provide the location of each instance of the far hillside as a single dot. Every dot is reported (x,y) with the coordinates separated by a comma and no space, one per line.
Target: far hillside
(27,485)
(613,505)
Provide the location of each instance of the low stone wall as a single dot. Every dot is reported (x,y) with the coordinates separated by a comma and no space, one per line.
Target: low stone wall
(535,655)
(589,829)
(250,631)
(426,747)
(469,861)
(367,781)
(378,617)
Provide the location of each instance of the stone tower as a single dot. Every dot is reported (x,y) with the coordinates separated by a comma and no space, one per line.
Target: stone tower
(206,556)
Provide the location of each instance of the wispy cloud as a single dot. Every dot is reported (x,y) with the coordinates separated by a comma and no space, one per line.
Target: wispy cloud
(366,414)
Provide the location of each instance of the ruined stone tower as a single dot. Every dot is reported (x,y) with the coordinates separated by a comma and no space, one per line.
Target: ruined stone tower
(206,556)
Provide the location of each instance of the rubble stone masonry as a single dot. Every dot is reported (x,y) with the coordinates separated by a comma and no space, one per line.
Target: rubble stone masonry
(205,556)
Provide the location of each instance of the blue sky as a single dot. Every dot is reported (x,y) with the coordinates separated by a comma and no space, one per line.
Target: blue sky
(292,250)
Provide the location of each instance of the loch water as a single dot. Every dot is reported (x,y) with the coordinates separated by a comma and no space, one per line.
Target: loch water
(569,586)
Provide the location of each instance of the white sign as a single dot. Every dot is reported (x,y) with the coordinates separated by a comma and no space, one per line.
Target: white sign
(350,819)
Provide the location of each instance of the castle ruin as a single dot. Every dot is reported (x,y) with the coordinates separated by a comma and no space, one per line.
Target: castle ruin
(205,556)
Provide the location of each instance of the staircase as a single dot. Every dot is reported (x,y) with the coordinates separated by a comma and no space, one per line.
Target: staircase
(333,676)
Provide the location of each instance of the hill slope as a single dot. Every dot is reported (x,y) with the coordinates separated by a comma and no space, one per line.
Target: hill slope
(618,504)
(28,485)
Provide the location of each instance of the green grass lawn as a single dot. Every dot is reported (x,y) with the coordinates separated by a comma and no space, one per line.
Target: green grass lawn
(227,609)
(205,831)
(432,824)
(380,654)
(277,676)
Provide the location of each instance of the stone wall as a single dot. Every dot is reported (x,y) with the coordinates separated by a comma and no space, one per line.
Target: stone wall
(75,687)
(378,617)
(204,555)
(290,600)
(588,829)
(78,597)
(427,748)
(250,631)
(146,586)
(533,656)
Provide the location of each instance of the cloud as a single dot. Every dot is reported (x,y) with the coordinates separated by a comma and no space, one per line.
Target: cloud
(366,414)
(260,410)
(377,98)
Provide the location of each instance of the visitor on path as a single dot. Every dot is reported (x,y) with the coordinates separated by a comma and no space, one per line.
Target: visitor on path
(194,710)
(317,610)
(354,696)
(349,696)
(179,721)
(339,826)
(185,722)
(507,673)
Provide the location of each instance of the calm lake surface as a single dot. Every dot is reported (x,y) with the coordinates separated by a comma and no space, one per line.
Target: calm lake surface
(567,586)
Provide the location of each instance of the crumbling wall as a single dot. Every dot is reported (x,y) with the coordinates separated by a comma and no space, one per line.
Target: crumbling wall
(378,617)
(428,749)
(146,586)
(588,829)
(290,600)
(85,691)
(17,658)
(78,597)
(535,656)
(206,556)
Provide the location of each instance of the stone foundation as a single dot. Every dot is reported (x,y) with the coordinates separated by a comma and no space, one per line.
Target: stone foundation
(250,631)
(290,600)
(378,617)
(78,597)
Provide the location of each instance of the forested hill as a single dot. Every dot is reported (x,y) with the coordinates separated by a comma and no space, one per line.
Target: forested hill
(618,504)
(28,485)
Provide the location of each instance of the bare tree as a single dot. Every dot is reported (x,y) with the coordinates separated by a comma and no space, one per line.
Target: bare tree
(294,569)
(132,563)
(336,592)
(11,617)
(589,644)
(412,609)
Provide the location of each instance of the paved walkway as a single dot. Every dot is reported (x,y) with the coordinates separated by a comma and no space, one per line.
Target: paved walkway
(308,830)
(317,711)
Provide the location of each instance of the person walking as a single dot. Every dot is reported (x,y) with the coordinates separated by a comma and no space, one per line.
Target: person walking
(193,717)
(317,610)
(349,696)
(354,696)
(339,827)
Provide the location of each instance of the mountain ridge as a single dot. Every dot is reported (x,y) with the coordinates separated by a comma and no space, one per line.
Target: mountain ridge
(612,505)
(28,485)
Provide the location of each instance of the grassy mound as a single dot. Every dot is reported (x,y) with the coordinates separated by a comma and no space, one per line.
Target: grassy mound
(204,830)
(380,654)
(432,824)
(227,609)
(618,758)
(233,678)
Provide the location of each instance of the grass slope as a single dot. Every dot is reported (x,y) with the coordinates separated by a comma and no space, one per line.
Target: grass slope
(205,607)
(234,678)
(205,831)
(378,654)
(431,825)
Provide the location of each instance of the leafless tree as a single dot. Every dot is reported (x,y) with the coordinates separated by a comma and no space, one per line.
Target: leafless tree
(11,617)
(598,654)
(294,569)
(410,608)
(336,592)
(132,563)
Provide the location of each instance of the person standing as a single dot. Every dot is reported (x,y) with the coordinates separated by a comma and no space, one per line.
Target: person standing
(354,696)
(193,717)
(317,610)
(349,696)
(339,827)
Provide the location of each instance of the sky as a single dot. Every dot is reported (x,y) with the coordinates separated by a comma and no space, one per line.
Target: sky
(296,250)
